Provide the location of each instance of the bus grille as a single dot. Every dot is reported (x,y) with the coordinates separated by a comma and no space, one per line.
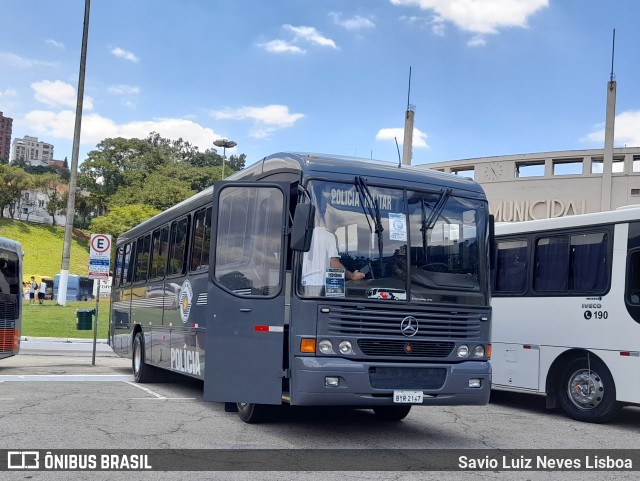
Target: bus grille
(375,347)
(385,322)
(407,377)
(7,329)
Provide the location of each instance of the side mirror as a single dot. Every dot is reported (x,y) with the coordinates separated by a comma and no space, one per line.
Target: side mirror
(302,227)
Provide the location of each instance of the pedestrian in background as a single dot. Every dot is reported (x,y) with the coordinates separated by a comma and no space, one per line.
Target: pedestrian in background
(32,290)
(42,291)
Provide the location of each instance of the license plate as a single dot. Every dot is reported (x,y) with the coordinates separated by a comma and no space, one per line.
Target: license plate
(407,397)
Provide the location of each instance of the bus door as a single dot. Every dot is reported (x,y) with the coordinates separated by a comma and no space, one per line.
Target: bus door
(246,295)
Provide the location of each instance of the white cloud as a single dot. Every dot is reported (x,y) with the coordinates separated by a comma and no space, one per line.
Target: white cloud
(12,60)
(58,94)
(354,23)
(123,90)
(95,128)
(627,130)
(419,138)
(479,16)
(280,46)
(8,93)
(477,41)
(310,34)
(121,53)
(54,43)
(268,119)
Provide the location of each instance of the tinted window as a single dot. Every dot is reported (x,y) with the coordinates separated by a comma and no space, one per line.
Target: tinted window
(249,241)
(143,252)
(201,240)
(159,250)
(511,266)
(178,246)
(127,264)
(571,263)
(117,280)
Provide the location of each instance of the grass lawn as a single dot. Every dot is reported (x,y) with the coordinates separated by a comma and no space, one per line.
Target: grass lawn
(52,320)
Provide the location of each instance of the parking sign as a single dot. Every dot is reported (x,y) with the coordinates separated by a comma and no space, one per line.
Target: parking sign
(99,256)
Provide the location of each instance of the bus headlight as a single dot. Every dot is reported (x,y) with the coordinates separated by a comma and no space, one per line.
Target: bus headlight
(478,351)
(325,347)
(463,350)
(345,347)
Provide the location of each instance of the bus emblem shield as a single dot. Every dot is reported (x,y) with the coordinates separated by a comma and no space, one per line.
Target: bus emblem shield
(186,295)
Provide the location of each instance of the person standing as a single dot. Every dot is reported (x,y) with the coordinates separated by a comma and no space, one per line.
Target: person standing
(32,290)
(42,291)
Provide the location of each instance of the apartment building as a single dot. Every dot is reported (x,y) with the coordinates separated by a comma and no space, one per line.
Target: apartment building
(32,151)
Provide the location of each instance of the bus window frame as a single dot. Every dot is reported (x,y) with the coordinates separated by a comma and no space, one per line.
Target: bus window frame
(142,238)
(202,267)
(151,256)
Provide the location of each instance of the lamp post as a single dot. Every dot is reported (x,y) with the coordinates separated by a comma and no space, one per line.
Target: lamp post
(225,144)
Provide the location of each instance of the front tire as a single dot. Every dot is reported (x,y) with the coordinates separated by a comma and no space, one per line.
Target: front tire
(252,413)
(142,372)
(587,392)
(392,413)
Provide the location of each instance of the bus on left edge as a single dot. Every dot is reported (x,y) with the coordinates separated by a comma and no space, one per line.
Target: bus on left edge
(10,297)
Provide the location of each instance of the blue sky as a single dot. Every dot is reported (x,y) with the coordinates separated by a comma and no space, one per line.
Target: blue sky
(489,77)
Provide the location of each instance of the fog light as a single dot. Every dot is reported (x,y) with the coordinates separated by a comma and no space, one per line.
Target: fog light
(478,351)
(475,383)
(345,347)
(332,381)
(325,347)
(463,351)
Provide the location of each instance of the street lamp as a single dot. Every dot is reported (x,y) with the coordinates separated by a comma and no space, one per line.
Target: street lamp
(225,144)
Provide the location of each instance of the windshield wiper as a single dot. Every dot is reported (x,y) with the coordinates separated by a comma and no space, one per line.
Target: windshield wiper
(371,210)
(429,222)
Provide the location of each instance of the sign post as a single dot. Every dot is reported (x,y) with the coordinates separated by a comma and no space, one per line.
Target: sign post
(99,262)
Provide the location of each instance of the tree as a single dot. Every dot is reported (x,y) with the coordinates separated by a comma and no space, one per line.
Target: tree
(13,180)
(121,219)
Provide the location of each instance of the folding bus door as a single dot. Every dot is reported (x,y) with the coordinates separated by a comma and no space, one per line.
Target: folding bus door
(245,313)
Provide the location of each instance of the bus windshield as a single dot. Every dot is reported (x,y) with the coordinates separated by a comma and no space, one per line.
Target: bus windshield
(410,245)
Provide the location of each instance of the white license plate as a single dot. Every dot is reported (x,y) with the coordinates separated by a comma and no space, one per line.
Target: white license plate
(407,397)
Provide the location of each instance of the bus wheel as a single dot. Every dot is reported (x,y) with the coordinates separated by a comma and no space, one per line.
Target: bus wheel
(586,391)
(392,413)
(142,372)
(252,413)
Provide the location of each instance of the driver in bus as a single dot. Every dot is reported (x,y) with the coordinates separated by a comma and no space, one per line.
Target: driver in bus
(322,255)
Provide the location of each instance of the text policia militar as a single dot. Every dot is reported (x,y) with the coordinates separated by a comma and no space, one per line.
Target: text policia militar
(541,462)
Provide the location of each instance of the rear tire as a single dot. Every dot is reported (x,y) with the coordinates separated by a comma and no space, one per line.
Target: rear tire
(586,391)
(142,372)
(252,413)
(392,413)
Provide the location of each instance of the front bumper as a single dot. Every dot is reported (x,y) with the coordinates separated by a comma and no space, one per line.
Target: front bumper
(355,389)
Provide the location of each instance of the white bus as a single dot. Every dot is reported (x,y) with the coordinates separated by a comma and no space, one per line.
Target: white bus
(566,311)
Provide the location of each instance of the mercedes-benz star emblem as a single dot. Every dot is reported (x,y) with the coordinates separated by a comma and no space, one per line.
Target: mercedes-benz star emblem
(409,326)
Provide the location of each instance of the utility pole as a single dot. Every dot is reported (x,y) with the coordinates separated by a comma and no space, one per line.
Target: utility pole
(71,201)
(407,146)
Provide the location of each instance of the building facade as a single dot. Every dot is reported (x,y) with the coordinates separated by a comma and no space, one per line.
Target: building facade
(553,184)
(6,127)
(32,151)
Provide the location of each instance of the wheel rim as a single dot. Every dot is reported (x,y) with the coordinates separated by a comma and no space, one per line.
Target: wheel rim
(585,389)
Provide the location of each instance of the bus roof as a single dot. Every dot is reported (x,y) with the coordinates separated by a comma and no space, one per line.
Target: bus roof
(305,164)
(10,245)
(622,214)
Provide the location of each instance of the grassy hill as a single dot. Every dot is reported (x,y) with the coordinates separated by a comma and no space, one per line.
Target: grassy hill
(42,246)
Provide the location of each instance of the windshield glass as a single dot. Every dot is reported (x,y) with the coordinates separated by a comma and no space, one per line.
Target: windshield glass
(394,245)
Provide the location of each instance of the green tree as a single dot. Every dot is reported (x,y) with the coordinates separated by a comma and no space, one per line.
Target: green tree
(121,219)
(13,180)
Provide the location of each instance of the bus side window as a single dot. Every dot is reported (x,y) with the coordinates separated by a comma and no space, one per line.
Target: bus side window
(511,266)
(143,252)
(127,265)
(117,278)
(201,240)
(178,246)
(159,249)
(633,278)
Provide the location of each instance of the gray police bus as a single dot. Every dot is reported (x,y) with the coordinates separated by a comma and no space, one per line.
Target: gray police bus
(232,286)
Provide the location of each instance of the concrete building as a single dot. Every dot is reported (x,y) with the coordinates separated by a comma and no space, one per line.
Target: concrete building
(32,151)
(553,184)
(6,127)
